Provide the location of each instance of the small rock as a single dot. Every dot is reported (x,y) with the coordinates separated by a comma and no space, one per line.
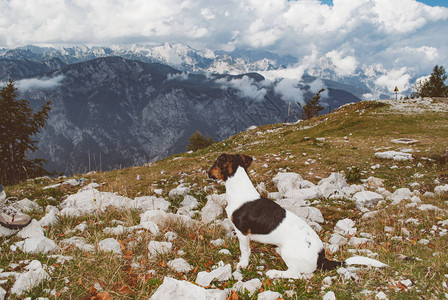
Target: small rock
(170,236)
(337,239)
(26,281)
(180,290)
(220,274)
(180,190)
(366,199)
(345,227)
(381,296)
(400,195)
(329,296)
(38,244)
(217,242)
(32,230)
(180,265)
(110,245)
(27,206)
(211,212)
(156,248)
(269,295)
(355,241)
(438,190)
(224,252)
(252,286)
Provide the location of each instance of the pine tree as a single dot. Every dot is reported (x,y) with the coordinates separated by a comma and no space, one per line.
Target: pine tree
(197,141)
(312,107)
(18,125)
(434,86)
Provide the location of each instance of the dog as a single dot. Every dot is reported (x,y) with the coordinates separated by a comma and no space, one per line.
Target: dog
(260,219)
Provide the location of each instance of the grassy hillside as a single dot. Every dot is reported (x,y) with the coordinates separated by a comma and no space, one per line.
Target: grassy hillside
(347,138)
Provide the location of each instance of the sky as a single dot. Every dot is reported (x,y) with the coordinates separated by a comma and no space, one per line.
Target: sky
(404,38)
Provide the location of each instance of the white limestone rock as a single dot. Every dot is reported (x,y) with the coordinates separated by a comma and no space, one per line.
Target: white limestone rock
(269,295)
(337,239)
(395,155)
(151,203)
(345,227)
(440,189)
(189,202)
(218,199)
(211,212)
(160,218)
(156,248)
(400,195)
(110,245)
(78,242)
(174,289)
(6,232)
(252,286)
(332,184)
(33,277)
(51,217)
(366,199)
(180,190)
(357,241)
(38,244)
(26,206)
(32,230)
(329,296)
(180,265)
(220,274)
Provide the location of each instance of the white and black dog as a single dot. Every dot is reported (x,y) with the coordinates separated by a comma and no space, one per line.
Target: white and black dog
(262,220)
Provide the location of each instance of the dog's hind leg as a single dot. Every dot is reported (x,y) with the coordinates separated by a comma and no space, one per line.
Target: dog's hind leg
(244,242)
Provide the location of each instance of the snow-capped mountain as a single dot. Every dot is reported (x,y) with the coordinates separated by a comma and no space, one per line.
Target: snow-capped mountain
(371,80)
(179,56)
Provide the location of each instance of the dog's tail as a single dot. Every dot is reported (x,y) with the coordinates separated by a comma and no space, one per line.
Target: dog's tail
(324,264)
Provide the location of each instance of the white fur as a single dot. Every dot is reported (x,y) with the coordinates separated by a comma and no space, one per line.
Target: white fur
(298,244)
(292,236)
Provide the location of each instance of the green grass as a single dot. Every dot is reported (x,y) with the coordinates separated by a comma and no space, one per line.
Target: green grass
(352,135)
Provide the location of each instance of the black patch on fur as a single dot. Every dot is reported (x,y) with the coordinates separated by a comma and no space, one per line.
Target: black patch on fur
(260,216)
(324,264)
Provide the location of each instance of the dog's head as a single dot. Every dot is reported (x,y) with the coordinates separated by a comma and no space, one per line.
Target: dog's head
(227,164)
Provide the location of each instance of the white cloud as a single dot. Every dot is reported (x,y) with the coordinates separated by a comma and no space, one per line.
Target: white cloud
(344,66)
(397,34)
(40,83)
(246,87)
(289,90)
(395,78)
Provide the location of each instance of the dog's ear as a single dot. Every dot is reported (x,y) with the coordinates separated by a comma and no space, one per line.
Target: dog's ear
(246,161)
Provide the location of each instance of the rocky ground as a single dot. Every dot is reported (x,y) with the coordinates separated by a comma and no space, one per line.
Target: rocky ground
(101,236)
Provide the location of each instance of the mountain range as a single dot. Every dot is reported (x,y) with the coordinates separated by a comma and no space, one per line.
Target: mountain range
(113,108)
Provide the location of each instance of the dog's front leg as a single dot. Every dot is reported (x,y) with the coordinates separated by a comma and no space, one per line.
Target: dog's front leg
(245,250)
